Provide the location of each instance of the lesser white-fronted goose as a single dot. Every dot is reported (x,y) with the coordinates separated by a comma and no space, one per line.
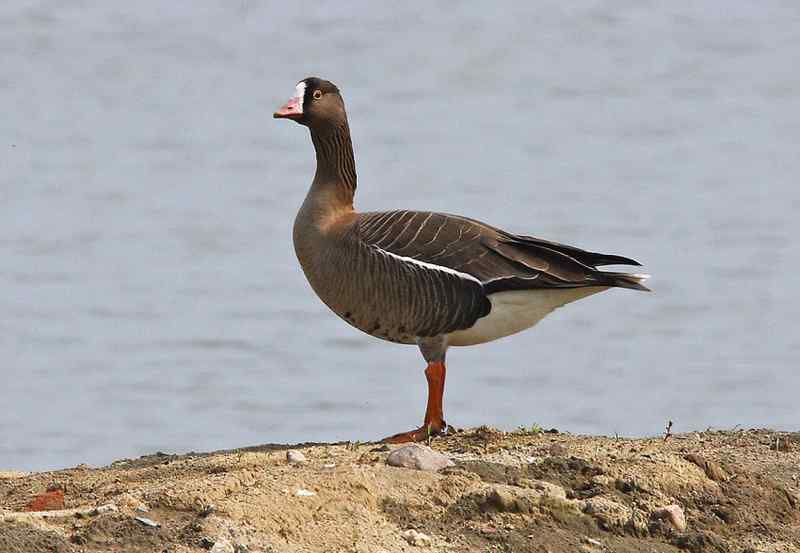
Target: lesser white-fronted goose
(416,277)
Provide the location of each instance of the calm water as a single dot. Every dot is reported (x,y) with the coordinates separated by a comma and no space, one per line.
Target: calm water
(150,295)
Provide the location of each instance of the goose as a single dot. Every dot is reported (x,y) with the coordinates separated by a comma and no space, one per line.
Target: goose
(428,279)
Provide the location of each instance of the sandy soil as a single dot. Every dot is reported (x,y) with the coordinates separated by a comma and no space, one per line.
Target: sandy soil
(524,491)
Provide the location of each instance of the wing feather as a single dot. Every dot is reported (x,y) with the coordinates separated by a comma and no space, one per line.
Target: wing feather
(498,259)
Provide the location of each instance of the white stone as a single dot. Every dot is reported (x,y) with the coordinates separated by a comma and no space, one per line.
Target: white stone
(222,546)
(304,493)
(417,456)
(147,522)
(294,457)
(672,514)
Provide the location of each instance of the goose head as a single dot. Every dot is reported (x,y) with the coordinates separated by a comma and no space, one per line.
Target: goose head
(316,103)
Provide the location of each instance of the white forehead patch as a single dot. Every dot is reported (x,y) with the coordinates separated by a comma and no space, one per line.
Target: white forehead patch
(300,94)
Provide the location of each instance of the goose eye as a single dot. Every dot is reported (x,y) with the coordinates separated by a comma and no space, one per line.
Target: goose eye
(317,94)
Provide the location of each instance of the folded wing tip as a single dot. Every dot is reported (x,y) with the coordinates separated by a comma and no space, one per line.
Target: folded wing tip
(633,281)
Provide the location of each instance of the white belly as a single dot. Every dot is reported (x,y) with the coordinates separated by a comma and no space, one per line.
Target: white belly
(516,310)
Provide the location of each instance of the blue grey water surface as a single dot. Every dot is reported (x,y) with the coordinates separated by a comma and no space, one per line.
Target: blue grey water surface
(151,299)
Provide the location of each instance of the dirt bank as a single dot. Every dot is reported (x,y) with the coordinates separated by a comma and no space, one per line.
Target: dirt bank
(524,491)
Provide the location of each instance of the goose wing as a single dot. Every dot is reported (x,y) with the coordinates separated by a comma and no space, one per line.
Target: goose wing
(499,260)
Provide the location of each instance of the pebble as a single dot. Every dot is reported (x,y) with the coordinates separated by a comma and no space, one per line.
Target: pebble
(672,514)
(304,493)
(294,457)
(147,522)
(417,456)
(558,450)
(416,538)
(222,546)
(329,466)
(591,541)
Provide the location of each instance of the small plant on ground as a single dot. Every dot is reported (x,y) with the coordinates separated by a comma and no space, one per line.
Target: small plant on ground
(532,429)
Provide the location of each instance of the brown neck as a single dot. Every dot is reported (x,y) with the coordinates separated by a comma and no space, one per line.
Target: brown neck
(335,179)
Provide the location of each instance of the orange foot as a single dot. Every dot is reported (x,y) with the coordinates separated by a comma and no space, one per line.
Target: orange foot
(434,424)
(421,434)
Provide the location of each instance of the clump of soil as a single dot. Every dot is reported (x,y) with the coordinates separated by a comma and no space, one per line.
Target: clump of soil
(520,492)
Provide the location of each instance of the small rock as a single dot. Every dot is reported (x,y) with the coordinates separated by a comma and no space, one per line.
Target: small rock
(591,541)
(103,509)
(329,466)
(416,538)
(417,456)
(141,508)
(548,489)
(558,450)
(609,514)
(602,480)
(294,457)
(625,486)
(222,546)
(672,514)
(147,522)
(304,493)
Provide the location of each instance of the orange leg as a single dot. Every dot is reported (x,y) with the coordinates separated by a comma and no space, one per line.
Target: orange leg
(434,417)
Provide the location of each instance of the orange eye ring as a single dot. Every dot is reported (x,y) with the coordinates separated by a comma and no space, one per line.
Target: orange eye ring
(317,94)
